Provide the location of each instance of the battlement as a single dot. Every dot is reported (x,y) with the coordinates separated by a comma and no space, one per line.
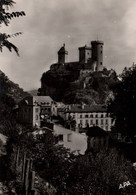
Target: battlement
(97,42)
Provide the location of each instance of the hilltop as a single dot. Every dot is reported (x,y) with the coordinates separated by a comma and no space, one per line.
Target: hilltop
(84,81)
(78,86)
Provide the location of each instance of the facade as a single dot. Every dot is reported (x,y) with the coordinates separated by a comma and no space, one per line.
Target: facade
(72,140)
(86,115)
(75,142)
(97,139)
(34,110)
(90,58)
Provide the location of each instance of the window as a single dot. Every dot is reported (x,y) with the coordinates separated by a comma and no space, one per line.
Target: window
(107,114)
(96,122)
(101,115)
(60,137)
(86,116)
(36,109)
(102,122)
(107,128)
(96,115)
(80,115)
(91,115)
(101,63)
(80,121)
(69,137)
(36,117)
(91,122)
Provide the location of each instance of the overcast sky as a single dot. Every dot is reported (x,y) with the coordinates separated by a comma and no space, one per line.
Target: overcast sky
(50,23)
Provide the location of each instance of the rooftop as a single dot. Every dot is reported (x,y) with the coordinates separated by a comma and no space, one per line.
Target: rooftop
(62,50)
(31,100)
(42,99)
(86,108)
(96,132)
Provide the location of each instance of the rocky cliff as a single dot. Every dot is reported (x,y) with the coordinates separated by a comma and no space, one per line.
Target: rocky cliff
(78,86)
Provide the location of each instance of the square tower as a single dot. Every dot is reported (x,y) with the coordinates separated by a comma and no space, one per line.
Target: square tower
(61,55)
(84,54)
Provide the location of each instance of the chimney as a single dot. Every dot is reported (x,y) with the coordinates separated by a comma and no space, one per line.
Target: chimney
(83,106)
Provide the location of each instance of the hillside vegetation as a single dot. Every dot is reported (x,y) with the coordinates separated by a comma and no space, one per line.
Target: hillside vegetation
(9,88)
(10,95)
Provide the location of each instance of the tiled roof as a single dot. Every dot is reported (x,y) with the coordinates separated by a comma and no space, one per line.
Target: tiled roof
(96,132)
(86,108)
(61,109)
(42,99)
(33,100)
(62,50)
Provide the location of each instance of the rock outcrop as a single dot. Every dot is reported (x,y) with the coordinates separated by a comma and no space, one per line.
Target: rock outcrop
(78,86)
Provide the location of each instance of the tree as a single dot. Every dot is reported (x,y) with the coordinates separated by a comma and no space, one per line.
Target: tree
(101,173)
(5,18)
(123,106)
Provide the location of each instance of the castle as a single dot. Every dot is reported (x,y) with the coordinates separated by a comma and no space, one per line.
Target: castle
(90,58)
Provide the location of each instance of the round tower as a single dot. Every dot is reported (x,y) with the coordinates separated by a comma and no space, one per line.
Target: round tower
(61,55)
(97,54)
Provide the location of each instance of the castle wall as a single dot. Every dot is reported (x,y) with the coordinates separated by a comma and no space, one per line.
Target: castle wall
(90,58)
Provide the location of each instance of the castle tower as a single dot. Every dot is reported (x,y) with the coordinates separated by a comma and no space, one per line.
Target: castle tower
(61,55)
(84,54)
(97,54)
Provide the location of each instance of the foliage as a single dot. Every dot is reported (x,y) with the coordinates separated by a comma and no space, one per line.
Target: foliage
(123,106)
(99,174)
(10,90)
(5,18)
(52,163)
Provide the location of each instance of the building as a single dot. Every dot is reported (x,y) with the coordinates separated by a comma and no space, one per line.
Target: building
(86,115)
(35,110)
(90,58)
(97,139)
(74,141)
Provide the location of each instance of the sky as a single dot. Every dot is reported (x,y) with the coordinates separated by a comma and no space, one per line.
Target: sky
(50,23)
